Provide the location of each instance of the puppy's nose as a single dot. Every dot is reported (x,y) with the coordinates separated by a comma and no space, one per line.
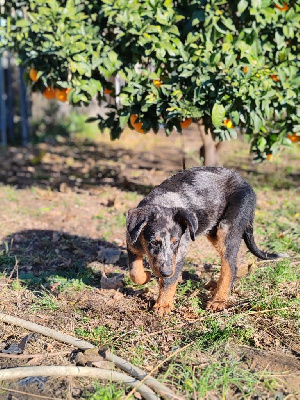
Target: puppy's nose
(166,274)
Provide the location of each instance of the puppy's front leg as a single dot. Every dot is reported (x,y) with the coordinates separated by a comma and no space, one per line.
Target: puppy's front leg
(136,269)
(167,288)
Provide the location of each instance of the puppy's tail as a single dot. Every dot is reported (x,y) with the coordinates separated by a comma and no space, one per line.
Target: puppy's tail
(250,243)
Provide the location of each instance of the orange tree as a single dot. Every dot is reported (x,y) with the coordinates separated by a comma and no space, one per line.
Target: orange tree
(222,64)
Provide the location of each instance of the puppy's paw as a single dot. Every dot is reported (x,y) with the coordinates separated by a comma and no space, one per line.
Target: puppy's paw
(163,309)
(216,305)
(140,278)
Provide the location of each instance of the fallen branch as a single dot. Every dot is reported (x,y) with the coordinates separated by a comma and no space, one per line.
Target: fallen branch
(61,337)
(67,371)
(136,372)
(141,375)
(156,368)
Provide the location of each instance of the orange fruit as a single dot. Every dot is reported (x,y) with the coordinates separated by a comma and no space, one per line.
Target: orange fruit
(49,93)
(275,78)
(33,75)
(185,123)
(269,157)
(107,91)
(62,94)
(246,69)
(285,7)
(293,137)
(228,123)
(157,83)
(137,125)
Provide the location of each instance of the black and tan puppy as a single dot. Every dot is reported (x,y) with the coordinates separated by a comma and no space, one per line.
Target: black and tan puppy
(215,202)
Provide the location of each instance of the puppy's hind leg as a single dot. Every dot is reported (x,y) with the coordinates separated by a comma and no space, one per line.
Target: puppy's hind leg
(136,268)
(228,249)
(227,241)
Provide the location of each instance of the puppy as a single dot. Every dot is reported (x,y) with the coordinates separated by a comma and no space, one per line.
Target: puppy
(211,201)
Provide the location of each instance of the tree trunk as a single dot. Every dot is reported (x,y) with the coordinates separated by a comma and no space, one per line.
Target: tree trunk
(210,150)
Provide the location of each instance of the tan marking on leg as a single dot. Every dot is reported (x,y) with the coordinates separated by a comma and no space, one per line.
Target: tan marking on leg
(218,302)
(164,303)
(137,273)
(212,240)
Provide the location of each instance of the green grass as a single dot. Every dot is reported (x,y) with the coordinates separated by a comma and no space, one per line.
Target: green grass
(220,375)
(110,391)
(45,301)
(279,225)
(99,335)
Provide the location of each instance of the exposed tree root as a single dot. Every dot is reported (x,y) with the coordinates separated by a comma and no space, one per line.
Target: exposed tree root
(90,372)
(126,366)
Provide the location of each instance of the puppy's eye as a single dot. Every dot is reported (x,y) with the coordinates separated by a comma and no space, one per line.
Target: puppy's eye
(174,241)
(155,243)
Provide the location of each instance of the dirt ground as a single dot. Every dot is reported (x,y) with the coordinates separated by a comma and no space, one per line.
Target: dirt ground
(63,203)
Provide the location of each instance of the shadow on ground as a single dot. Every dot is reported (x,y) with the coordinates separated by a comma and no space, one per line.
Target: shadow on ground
(132,164)
(37,255)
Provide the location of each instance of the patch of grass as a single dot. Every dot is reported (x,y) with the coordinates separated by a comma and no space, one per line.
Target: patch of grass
(132,196)
(225,376)
(99,335)
(12,194)
(267,288)
(110,391)
(45,301)
(280,226)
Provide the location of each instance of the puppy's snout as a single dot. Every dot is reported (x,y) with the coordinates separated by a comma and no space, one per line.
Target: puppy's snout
(166,274)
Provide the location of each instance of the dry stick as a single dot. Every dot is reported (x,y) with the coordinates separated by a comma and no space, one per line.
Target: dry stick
(29,394)
(141,375)
(24,356)
(89,372)
(156,368)
(161,389)
(61,337)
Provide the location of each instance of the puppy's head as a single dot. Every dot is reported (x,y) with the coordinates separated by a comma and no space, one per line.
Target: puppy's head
(159,230)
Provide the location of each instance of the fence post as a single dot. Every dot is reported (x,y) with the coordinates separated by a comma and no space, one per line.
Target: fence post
(10,101)
(24,109)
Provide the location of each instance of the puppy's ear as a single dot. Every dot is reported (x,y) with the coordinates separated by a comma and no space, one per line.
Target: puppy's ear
(137,219)
(187,219)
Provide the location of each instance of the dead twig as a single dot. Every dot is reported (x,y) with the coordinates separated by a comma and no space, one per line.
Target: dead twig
(29,394)
(157,367)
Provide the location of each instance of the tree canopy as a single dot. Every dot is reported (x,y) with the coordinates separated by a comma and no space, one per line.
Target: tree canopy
(225,63)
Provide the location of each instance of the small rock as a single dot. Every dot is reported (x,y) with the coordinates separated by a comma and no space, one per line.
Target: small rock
(109,255)
(102,364)
(76,392)
(111,283)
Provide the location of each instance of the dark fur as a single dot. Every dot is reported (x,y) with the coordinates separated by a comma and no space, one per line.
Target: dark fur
(215,202)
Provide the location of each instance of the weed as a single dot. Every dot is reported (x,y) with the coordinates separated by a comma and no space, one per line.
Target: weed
(99,335)
(108,392)
(45,301)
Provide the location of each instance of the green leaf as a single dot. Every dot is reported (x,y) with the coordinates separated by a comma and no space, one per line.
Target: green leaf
(261,144)
(218,115)
(243,4)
